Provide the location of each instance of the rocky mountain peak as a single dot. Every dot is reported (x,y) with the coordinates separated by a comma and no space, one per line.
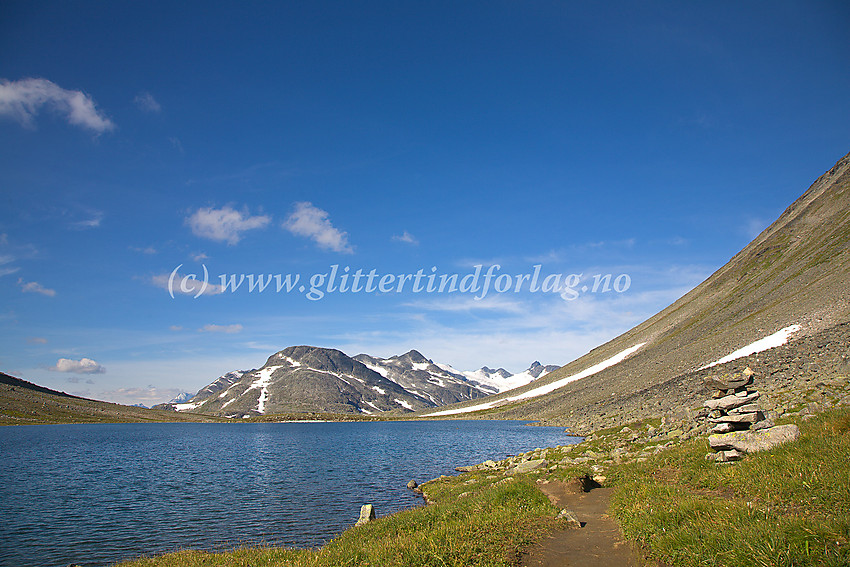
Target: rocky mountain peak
(416,357)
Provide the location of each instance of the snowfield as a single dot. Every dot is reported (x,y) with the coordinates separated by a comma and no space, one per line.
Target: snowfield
(535,392)
(778,338)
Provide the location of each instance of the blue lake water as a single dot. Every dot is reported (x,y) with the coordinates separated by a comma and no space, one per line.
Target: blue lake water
(93,495)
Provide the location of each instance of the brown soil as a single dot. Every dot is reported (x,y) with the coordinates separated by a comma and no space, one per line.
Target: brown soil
(598,543)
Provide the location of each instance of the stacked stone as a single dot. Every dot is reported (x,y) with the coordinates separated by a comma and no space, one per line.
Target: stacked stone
(733,407)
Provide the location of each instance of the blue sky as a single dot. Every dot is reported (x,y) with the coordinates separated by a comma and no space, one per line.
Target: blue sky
(649,139)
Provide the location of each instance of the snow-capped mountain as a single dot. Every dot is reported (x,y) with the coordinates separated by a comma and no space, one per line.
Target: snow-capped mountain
(439,383)
(305,378)
(182,398)
(500,380)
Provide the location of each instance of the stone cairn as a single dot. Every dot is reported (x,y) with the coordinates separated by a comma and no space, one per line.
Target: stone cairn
(733,407)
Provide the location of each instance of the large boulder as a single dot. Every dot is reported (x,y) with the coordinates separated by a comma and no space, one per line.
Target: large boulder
(528,466)
(754,441)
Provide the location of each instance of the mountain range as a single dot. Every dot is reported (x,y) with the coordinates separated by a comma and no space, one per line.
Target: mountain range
(316,379)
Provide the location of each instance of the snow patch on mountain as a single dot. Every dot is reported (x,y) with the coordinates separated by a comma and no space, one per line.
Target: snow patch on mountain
(545,389)
(186,406)
(778,338)
(376,368)
(264,378)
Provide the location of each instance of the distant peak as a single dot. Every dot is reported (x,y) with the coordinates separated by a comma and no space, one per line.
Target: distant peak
(416,356)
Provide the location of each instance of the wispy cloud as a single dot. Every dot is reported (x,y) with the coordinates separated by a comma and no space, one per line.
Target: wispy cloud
(23,100)
(37,340)
(150,250)
(175,328)
(150,395)
(93,221)
(184,285)
(229,329)
(225,224)
(82,366)
(35,287)
(754,226)
(496,303)
(406,237)
(313,223)
(4,269)
(146,102)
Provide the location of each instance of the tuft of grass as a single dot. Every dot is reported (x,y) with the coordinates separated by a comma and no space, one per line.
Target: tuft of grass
(484,523)
(786,507)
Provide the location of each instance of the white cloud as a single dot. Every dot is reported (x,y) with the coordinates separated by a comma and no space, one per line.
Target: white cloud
(229,329)
(313,223)
(225,224)
(200,256)
(181,284)
(150,250)
(6,259)
(22,101)
(82,366)
(467,303)
(175,328)
(37,340)
(149,396)
(95,217)
(146,102)
(405,237)
(35,287)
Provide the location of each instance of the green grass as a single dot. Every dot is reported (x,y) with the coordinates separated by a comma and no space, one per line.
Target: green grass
(487,527)
(786,507)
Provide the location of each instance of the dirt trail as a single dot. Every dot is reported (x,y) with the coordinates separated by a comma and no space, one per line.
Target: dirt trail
(597,544)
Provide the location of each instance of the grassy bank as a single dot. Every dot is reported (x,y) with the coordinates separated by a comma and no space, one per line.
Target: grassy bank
(788,506)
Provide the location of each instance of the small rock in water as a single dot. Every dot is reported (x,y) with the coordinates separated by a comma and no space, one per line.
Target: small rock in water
(411,484)
(367,514)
